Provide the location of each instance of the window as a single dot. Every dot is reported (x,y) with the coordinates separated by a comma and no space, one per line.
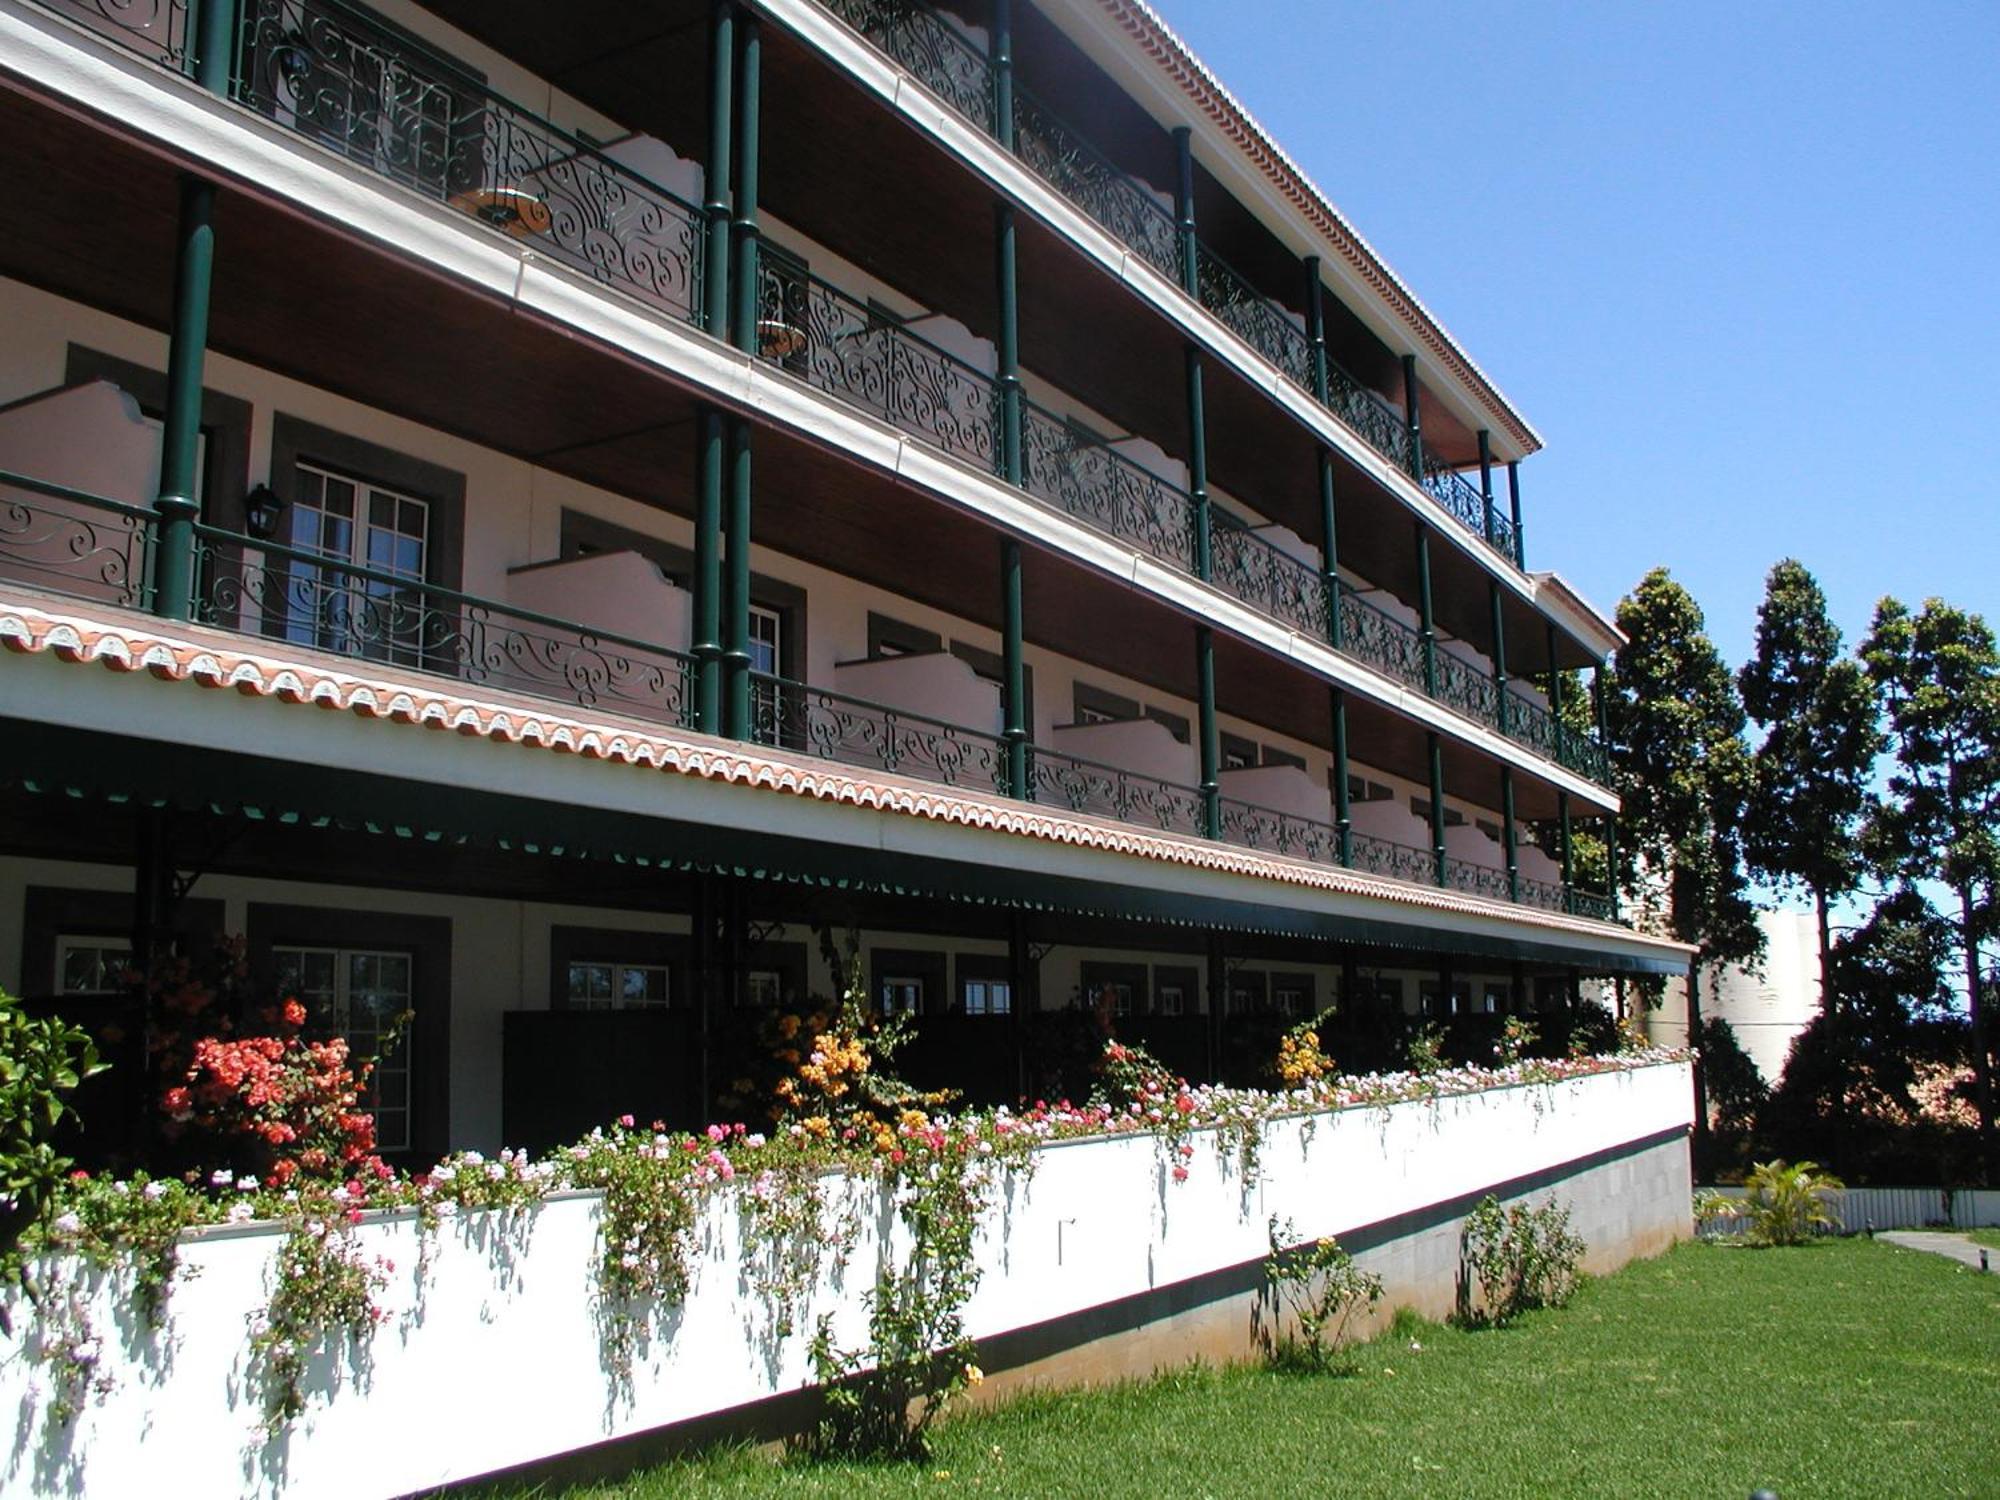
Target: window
(1238,754)
(595,985)
(91,965)
(1491,830)
(1249,993)
(890,637)
(1494,998)
(1175,990)
(1421,806)
(1360,789)
(1093,705)
(1292,995)
(351,521)
(1120,986)
(1175,724)
(763,989)
(986,997)
(902,995)
(363,995)
(1276,757)
(1428,995)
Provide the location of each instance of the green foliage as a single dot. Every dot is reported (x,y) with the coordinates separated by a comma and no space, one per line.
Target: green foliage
(1426,1051)
(323,1288)
(1683,771)
(1313,1292)
(1939,675)
(42,1062)
(1786,1203)
(1736,1090)
(1811,775)
(1521,1258)
(1798,1373)
(879,1402)
(1517,1039)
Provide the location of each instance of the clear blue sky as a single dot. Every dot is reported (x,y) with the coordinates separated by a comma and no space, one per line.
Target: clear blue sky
(1738,263)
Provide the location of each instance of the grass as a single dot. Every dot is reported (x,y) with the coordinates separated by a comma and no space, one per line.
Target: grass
(1844,1368)
(1988,1237)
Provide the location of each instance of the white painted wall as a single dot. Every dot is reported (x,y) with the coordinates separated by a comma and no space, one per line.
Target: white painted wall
(490,1355)
(1767,1010)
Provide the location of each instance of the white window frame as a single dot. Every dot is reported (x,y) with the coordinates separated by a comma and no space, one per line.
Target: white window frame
(372,1098)
(616,998)
(68,943)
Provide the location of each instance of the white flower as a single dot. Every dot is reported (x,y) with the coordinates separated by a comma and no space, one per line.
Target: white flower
(241,1213)
(67,1224)
(154,1190)
(221,1177)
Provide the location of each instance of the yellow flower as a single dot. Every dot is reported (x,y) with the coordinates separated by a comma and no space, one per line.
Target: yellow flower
(788,1027)
(974,1375)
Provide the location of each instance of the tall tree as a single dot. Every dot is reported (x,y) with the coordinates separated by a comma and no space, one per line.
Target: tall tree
(1811,777)
(1939,674)
(1683,775)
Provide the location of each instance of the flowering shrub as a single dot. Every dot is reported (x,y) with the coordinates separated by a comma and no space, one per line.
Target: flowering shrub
(277,1104)
(325,1286)
(42,1062)
(1313,1292)
(1300,1061)
(1521,1257)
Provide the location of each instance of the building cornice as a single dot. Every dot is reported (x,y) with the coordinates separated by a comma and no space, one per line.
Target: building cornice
(1176,62)
(198,656)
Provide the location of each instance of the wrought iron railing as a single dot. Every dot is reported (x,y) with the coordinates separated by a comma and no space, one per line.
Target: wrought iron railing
(1458,495)
(1371,635)
(1266,577)
(1595,904)
(855,732)
(155,29)
(1120,204)
(1465,687)
(1092,481)
(72,542)
(845,347)
(1253,317)
(936,52)
(327,604)
(341,76)
(1087,786)
(76,543)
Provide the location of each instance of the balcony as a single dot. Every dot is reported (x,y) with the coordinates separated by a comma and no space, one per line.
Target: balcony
(340,76)
(940,54)
(73,542)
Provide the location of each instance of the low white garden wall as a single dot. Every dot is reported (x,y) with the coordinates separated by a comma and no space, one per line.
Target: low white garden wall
(491,1353)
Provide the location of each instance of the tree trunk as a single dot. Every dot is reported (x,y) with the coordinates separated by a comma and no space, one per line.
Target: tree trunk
(1982,1071)
(1831,1019)
(1700,1144)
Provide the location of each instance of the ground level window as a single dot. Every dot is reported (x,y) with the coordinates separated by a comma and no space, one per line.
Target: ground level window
(902,995)
(597,985)
(763,988)
(91,965)
(361,994)
(986,997)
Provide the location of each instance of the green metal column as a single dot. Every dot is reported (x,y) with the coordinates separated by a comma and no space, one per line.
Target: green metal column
(706,648)
(736,599)
(737,696)
(1510,835)
(177,504)
(1603,708)
(1427,626)
(215,44)
(1184,212)
(1343,822)
(1437,805)
(1211,737)
(749,69)
(1000,57)
(1499,654)
(1014,688)
(721,170)
(1413,414)
(1329,534)
(1014,730)
(1559,733)
(1568,854)
(1489,514)
(1514,507)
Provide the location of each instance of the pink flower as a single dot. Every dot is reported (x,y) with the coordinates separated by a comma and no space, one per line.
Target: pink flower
(625,1121)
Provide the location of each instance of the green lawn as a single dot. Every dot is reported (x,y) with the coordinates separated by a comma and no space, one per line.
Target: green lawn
(1847,1368)
(1984,1237)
